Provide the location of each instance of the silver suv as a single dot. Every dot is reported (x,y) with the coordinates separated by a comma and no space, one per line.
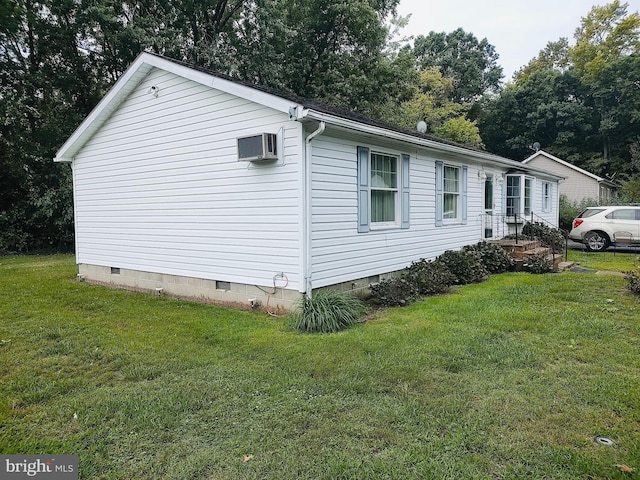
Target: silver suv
(600,227)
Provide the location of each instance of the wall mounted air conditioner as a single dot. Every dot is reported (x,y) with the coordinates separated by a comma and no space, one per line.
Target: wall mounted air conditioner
(258,147)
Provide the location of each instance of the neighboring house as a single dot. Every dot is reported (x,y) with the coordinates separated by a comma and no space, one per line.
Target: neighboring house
(578,184)
(166,199)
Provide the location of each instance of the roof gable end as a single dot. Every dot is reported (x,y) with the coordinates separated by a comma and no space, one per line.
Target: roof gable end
(565,163)
(134,75)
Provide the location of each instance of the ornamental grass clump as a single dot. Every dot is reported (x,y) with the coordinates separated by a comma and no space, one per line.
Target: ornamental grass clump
(328,311)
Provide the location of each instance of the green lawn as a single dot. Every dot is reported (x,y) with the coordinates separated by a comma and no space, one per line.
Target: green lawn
(508,379)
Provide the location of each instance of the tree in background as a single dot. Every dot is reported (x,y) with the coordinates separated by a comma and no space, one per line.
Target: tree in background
(555,56)
(58,58)
(605,35)
(47,87)
(431,102)
(472,65)
(582,103)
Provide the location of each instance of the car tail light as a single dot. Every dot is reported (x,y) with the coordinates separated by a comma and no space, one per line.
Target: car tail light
(577,222)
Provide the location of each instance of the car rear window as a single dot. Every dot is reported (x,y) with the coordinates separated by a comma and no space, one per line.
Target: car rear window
(589,212)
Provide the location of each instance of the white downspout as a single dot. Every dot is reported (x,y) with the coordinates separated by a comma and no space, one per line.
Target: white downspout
(307,207)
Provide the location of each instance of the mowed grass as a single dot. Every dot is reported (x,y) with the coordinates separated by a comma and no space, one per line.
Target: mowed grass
(508,379)
(606,261)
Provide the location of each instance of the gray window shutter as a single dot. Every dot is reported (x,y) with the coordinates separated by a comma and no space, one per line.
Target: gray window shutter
(464,195)
(439,192)
(405,192)
(363,189)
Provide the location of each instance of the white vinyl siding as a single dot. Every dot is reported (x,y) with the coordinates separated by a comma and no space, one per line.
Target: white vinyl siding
(159,188)
(339,252)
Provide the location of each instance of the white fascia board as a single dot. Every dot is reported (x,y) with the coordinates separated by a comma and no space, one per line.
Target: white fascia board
(222,84)
(109,103)
(565,163)
(480,157)
(132,77)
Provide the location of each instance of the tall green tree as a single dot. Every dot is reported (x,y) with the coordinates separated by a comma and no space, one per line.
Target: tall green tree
(580,102)
(472,64)
(548,107)
(58,57)
(555,56)
(605,35)
(431,102)
(47,87)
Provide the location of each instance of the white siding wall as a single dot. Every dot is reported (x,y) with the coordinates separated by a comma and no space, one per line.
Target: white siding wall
(159,188)
(340,254)
(550,217)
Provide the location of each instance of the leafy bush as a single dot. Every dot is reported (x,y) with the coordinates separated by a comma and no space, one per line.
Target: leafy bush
(493,257)
(633,280)
(548,236)
(328,311)
(429,278)
(538,264)
(570,210)
(465,265)
(394,292)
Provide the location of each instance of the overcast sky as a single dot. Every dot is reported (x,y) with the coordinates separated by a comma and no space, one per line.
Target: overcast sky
(518,29)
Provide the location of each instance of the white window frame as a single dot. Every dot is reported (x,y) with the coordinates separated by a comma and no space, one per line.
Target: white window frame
(457,194)
(523,196)
(395,189)
(528,205)
(547,195)
(401,190)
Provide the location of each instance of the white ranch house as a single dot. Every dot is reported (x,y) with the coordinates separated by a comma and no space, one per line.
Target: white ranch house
(166,200)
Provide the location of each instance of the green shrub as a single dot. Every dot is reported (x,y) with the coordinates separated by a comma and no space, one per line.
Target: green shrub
(493,257)
(538,264)
(429,278)
(548,236)
(570,210)
(633,280)
(465,265)
(394,292)
(328,311)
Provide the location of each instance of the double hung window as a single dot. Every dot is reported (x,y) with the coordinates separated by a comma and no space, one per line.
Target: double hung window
(519,195)
(451,194)
(546,196)
(451,177)
(383,190)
